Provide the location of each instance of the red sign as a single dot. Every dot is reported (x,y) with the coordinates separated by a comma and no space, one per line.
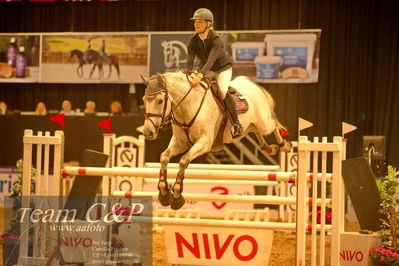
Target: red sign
(220,246)
(211,245)
(351,255)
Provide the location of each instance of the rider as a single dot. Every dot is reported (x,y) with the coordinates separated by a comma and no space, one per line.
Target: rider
(207,45)
(103,54)
(88,47)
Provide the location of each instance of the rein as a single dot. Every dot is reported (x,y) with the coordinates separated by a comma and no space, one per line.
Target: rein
(171,116)
(183,126)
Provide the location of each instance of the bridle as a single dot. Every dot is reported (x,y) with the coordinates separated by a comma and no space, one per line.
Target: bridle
(167,118)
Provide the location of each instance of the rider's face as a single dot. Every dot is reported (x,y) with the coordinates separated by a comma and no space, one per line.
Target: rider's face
(200,25)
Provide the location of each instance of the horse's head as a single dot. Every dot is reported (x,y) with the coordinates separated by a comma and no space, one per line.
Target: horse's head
(157,106)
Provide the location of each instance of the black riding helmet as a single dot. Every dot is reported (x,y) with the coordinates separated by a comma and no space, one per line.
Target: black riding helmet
(203,13)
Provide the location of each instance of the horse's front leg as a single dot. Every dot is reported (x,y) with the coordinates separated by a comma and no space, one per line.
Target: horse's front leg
(202,146)
(175,147)
(79,70)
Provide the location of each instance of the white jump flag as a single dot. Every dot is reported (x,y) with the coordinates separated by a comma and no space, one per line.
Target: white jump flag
(303,124)
(346,128)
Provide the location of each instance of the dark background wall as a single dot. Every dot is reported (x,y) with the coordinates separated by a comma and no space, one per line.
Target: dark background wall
(358,55)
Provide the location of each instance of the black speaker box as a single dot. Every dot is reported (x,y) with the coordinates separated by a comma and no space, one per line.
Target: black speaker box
(363,192)
(85,188)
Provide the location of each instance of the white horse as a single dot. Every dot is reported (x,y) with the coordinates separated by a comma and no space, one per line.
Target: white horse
(196,119)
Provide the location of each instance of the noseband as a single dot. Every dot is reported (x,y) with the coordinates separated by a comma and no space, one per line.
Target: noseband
(165,119)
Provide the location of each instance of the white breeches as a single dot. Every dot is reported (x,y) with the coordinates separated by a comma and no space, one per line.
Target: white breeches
(223,80)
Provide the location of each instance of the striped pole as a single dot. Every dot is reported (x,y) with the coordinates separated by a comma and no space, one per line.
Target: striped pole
(219,166)
(219,223)
(253,199)
(189,173)
(219,182)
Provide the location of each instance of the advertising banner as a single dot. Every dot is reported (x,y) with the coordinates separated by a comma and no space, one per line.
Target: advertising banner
(19,58)
(94,58)
(275,56)
(265,56)
(209,245)
(168,52)
(77,230)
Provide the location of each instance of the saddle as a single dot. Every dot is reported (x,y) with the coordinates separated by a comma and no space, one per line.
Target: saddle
(240,102)
(241,105)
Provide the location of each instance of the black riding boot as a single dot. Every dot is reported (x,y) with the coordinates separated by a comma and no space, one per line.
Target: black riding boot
(231,108)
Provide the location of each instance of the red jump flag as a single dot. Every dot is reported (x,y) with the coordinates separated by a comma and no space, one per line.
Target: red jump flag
(59,119)
(105,124)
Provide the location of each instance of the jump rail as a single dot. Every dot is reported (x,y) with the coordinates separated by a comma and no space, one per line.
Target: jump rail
(189,174)
(255,199)
(219,182)
(222,223)
(219,166)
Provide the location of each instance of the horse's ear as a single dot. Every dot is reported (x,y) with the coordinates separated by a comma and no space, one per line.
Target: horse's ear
(161,82)
(144,79)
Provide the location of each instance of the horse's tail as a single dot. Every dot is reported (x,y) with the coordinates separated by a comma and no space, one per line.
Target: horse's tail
(270,101)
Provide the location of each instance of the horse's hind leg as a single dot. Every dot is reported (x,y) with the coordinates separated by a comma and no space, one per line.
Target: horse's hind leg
(269,149)
(175,147)
(110,71)
(282,143)
(117,70)
(199,148)
(92,70)
(100,71)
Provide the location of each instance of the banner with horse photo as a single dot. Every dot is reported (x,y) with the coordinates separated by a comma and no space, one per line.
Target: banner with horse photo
(94,58)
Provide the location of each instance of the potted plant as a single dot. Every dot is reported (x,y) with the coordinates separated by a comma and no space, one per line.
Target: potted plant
(11,236)
(387,253)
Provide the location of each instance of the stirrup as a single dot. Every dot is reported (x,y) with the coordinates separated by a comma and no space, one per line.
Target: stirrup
(237,130)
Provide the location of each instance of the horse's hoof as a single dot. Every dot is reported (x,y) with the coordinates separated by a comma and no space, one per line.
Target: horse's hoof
(177,203)
(287,146)
(164,199)
(271,149)
(274,149)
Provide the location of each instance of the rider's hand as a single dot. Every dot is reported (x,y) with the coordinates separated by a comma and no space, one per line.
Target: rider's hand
(196,80)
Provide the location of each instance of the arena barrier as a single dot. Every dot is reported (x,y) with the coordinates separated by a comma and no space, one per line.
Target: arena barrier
(306,149)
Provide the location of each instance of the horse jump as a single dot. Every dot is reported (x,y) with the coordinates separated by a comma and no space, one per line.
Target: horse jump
(305,148)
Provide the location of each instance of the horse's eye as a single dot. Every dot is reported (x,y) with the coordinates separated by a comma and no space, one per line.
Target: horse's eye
(160,101)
